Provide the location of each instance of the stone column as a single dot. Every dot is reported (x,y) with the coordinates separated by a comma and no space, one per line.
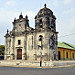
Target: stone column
(23,51)
(15,54)
(35,55)
(51,60)
(56,48)
(25,46)
(12,48)
(5,54)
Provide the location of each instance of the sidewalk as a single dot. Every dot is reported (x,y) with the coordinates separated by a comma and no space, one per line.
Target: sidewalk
(36,64)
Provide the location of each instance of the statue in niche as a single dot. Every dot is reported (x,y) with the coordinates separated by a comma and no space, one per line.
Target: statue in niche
(52,42)
(41,23)
(53,25)
(48,20)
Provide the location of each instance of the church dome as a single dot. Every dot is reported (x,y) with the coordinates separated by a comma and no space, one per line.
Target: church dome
(44,11)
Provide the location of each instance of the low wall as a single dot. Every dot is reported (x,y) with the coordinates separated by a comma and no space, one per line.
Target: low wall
(35,63)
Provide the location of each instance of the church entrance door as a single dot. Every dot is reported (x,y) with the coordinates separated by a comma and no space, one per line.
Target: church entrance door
(19,54)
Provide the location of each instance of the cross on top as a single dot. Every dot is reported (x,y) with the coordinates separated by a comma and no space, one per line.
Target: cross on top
(45,5)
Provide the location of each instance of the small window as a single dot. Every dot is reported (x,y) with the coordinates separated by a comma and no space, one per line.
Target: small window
(19,42)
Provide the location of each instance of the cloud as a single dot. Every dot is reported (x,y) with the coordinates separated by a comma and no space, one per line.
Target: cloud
(67,2)
(30,13)
(72,10)
(5,22)
(55,3)
(7,16)
(67,28)
(11,2)
(31,16)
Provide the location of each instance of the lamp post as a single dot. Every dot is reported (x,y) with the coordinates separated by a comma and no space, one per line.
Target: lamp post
(40,39)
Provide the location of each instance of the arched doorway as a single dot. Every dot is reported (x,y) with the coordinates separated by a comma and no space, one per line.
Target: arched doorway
(59,55)
(19,54)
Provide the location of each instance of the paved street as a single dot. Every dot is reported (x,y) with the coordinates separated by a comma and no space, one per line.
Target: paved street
(36,71)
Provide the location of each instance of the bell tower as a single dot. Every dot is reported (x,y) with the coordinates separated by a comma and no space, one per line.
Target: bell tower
(45,19)
(45,25)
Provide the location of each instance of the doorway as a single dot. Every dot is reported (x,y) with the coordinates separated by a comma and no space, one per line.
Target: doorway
(19,54)
(59,55)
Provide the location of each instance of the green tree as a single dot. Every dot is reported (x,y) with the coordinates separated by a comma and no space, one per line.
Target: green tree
(2,49)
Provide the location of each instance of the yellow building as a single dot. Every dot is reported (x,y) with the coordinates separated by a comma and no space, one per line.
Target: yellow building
(66,51)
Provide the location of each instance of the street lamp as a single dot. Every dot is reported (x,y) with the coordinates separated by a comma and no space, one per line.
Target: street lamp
(40,39)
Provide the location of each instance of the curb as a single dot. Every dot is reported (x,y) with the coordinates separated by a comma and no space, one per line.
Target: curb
(67,66)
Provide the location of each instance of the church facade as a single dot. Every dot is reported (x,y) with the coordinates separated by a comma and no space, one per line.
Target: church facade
(27,43)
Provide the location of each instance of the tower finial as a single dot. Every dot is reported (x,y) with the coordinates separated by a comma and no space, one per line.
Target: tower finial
(21,16)
(26,17)
(45,5)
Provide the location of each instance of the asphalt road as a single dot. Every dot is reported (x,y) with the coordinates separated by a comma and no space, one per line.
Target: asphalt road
(36,71)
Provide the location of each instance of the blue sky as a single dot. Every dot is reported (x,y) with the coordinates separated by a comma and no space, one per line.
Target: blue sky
(64,10)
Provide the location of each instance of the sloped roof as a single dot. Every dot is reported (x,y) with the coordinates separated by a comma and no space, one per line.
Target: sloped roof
(73,46)
(65,45)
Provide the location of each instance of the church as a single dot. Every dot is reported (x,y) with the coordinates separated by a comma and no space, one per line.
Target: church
(26,43)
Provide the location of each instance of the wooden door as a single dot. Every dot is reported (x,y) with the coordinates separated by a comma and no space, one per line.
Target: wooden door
(19,54)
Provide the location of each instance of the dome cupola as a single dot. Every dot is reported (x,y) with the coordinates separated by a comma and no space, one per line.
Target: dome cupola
(45,19)
(44,11)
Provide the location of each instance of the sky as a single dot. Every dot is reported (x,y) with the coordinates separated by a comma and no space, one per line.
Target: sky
(64,10)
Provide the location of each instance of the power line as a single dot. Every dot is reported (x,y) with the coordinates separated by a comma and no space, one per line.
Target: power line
(67,35)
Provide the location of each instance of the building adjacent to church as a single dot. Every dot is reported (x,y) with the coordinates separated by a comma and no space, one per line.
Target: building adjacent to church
(66,51)
(27,43)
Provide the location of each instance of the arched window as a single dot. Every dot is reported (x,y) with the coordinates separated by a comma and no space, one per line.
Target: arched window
(40,37)
(53,25)
(41,23)
(48,20)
